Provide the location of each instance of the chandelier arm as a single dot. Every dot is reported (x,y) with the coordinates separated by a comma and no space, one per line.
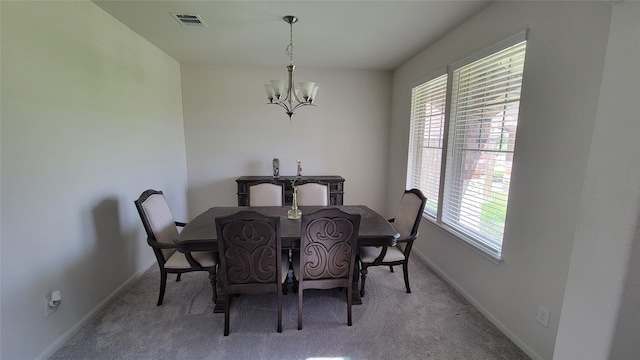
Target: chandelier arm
(282,105)
(301,105)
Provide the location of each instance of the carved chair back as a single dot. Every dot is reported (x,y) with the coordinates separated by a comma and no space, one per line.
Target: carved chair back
(251,261)
(328,245)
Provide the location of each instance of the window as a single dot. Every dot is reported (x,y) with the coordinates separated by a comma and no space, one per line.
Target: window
(427,139)
(463,132)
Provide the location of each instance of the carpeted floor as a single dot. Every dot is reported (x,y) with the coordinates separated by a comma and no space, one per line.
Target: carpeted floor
(432,322)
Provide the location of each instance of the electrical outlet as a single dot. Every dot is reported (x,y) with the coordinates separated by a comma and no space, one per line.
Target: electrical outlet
(48,309)
(543,316)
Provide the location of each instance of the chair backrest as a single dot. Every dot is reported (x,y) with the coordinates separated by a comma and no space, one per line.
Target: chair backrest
(157,219)
(250,251)
(409,213)
(328,245)
(313,194)
(266,194)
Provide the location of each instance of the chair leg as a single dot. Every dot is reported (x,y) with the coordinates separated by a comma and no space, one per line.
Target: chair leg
(226,314)
(285,284)
(289,269)
(163,285)
(363,277)
(349,302)
(405,270)
(294,281)
(178,277)
(300,291)
(280,312)
(212,279)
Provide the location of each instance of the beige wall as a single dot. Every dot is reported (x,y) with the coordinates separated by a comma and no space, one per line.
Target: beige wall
(230,131)
(563,70)
(69,88)
(600,317)
(91,116)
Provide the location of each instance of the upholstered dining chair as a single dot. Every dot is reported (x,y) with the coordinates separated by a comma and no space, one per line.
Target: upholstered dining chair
(161,231)
(251,260)
(313,194)
(266,194)
(406,223)
(328,245)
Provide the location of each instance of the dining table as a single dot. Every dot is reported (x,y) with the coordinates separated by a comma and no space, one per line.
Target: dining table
(200,233)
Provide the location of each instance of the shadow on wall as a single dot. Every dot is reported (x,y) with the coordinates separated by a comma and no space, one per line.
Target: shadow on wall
(114,245)
(110,251)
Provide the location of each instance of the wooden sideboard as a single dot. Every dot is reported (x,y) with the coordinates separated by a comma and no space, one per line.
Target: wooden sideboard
(336,186)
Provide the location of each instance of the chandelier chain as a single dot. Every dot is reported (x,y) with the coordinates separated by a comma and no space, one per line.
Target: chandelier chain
(289,50)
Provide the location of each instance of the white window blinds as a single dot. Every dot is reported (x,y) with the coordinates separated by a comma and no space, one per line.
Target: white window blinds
(426,139)
(462,139)
(482,132)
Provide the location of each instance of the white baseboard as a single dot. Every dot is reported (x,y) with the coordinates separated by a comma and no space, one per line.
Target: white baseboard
(87,318)
(516,340)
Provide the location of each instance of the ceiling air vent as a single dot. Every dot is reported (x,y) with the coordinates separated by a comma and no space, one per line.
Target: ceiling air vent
(189,19)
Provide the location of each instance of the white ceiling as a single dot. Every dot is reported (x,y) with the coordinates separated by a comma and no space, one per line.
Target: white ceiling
(376,35)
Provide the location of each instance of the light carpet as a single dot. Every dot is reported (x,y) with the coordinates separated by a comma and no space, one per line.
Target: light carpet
(433,322)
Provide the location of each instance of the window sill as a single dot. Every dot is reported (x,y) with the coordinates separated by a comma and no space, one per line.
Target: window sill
(465,240)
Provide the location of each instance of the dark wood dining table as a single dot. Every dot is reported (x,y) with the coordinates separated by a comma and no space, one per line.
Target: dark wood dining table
(200,233)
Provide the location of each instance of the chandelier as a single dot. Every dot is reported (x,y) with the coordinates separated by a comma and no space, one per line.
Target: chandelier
(290,98)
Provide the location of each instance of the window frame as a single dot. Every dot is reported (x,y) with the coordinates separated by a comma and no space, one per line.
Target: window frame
(476,241)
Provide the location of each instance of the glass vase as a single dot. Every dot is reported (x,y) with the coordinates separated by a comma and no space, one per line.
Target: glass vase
(294,213)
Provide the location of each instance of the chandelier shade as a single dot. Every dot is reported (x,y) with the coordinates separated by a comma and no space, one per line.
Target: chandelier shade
(285,93)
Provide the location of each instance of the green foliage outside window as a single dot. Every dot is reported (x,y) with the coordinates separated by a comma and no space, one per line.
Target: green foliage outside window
(492,216)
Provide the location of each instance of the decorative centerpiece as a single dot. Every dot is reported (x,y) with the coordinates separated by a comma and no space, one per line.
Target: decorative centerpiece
(276,168)
(294,213)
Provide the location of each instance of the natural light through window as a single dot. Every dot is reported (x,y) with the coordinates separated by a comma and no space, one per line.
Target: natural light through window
(426,142)
(461,157)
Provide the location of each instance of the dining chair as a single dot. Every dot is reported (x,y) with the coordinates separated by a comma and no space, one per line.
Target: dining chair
(313,194)
(328,244)
(310,194)
(161,231)
(266,194)
(406,223)
(251,260)
(269,194)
